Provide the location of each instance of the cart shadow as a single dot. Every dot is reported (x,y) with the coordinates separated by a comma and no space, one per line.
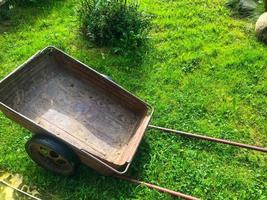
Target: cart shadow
(129,70)
(88,184)
(119,187)
(124,60)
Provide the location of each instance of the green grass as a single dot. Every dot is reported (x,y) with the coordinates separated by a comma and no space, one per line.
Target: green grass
(205,72)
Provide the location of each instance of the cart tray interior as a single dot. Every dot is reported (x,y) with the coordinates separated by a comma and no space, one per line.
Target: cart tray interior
(77,104)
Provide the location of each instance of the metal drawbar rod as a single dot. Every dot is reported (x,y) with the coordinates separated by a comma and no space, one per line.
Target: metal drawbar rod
(123,177)
(155,187)
(211,139)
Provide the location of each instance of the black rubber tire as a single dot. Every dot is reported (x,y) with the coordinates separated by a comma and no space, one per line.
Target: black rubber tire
(52,155)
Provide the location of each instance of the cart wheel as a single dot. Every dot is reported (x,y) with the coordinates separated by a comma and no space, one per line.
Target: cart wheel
(52,155)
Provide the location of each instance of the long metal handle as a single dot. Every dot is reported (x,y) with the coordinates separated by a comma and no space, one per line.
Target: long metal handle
(211,139)
(158,188)
(106,165)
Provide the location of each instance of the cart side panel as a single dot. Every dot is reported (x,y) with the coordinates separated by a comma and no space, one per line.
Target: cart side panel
(135,141)
(21,120)
(26,123)
(14,89)
(100,168)
(38,130)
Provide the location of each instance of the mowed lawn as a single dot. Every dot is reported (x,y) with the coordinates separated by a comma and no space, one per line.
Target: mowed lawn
(205,72)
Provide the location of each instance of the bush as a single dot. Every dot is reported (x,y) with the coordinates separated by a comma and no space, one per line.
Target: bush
(115,23)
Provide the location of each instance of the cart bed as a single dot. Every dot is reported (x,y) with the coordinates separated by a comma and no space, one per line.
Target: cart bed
(77,104)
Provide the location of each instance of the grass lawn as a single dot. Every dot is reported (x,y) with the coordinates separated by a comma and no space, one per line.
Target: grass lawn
(205,72)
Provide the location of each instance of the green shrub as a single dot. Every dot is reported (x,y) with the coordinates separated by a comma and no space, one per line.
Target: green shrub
(115,23)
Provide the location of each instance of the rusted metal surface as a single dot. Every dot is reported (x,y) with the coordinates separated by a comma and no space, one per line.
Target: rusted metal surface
(211,139)
(54,94)
(158,188)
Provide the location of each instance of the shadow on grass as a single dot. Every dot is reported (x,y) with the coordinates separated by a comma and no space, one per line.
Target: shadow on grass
(16,16)
(129,70)
(133,58)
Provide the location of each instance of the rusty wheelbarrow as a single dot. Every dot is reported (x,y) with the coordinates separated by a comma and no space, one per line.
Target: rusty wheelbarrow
(75,113)
(79,115)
